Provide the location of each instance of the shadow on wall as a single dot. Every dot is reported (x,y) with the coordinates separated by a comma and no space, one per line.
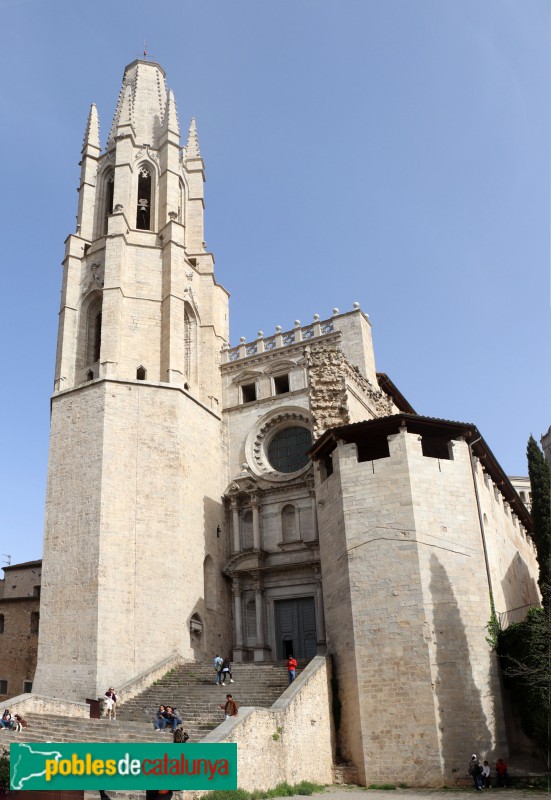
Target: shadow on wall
(209,624)
(462,721)
(519,590)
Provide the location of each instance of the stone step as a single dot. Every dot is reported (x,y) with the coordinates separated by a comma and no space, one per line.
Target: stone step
(190,688)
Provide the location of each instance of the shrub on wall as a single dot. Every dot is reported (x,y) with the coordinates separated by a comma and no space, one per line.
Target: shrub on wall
(524,653)
(4,773)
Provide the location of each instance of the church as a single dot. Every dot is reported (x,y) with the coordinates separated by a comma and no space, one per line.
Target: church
(279,496)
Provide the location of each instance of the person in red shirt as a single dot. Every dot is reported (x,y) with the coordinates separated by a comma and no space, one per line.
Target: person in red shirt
(292,668)
(502,777)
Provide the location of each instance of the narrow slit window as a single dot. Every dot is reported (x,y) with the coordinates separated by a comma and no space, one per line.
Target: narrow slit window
(97,336)
(109,195)
(27,687)
(3,687)
(35,621)
(143,217)
(141,374)
(92,335)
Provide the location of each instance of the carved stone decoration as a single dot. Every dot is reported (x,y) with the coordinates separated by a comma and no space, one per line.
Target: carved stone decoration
(191,297)
(327,388)
(259,438)
(145,152)
(243,485)
(94,279)
(329,371)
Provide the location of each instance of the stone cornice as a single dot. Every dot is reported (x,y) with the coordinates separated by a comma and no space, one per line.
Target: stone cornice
(126,382)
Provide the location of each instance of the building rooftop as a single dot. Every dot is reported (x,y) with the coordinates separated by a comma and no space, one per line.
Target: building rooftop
(24,565)
(359,432)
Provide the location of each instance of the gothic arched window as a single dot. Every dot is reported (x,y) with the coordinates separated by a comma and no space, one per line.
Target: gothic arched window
(143,215)
(93,330)
(109,193)
(190,345)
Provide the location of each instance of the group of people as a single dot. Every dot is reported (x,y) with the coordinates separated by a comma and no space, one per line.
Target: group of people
(167,716)
(9,722)
(222,668)
(480,773)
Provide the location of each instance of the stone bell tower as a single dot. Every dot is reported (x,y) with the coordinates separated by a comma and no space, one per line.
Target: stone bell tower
(136,464)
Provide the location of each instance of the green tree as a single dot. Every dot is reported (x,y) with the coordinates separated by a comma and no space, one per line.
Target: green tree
(525,649)
(540,480)
(4,773)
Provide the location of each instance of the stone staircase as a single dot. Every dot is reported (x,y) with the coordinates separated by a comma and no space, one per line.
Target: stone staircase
(50,728)
(189,688)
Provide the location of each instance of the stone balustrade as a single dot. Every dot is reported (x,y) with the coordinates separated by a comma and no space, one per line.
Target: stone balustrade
(263,344)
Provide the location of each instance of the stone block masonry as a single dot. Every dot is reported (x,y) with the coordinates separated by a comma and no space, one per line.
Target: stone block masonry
(128,523)
(400,537)
(292,741)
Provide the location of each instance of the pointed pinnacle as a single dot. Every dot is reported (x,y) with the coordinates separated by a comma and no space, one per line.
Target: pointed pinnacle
(170,122)
(125,117)
(91,134)
(192,149)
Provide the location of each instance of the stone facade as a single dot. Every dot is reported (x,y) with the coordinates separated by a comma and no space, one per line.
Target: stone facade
(19,624)
(419,539)
(521,484)
(291,741)
(546,445)
(185,517)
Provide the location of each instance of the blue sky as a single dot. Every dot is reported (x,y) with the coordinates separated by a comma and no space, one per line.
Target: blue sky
(394,153)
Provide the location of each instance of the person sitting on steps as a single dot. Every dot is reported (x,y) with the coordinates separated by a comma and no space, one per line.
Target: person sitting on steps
(159,723)
(172,717)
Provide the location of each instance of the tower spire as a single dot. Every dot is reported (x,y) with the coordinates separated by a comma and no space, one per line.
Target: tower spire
(192,149)
(142,102)
(125,117)
(170,122)
(91,150)
(91,134)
